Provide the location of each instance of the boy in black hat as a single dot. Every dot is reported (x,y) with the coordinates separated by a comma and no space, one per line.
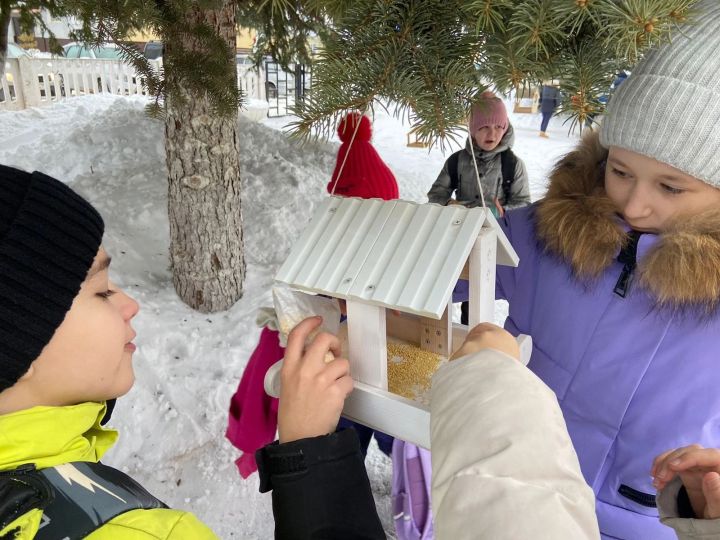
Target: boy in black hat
(67,347)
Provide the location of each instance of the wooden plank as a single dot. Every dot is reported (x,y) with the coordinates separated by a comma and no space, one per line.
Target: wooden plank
(436,335)
(437,246)
(406,327)
(446,275)
(88,83)
(369,237)
(465,273)
(367,343)
(323,253)
(28,79)
(424,228)
(379,409)
(15,99)
(392,414)
(459,331)
(506,255)
(123,78)
(110,74)
(386,243)
(524,341)
(482,278)
(74,79)
(397,259)
(307,241)
(338,270)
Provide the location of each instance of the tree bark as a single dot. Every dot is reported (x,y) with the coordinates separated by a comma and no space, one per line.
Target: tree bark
(5,14)
(204,196)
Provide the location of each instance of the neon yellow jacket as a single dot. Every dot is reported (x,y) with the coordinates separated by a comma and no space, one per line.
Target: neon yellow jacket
(50,436)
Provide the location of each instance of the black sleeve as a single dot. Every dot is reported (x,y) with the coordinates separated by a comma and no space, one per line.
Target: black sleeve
(320,489)
(685,509)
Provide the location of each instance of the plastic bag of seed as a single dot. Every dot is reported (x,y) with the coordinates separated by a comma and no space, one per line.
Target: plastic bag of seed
(291,307)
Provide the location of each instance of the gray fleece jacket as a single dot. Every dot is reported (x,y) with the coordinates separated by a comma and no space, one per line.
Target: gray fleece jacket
(488,164)
(685,528)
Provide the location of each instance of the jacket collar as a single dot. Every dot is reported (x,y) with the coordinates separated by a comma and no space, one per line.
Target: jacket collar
(49,436)
(506,142)
(577,221)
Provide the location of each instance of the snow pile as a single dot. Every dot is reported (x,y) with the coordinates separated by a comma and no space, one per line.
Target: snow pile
(189,364)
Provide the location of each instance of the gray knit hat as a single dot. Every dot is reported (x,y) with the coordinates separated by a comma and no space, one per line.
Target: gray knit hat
(669,108)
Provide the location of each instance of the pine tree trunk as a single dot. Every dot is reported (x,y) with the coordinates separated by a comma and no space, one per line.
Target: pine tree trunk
(204,198)
(5,15)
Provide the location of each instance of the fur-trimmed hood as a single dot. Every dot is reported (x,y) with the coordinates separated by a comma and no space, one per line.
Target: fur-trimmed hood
(578,222)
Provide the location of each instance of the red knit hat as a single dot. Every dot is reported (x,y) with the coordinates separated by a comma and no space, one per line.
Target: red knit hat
(364,174)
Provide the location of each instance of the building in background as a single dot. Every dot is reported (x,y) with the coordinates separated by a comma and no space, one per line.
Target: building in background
(63,27)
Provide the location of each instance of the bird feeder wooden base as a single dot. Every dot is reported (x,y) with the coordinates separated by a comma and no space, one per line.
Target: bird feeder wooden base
(414,142)
(406,419)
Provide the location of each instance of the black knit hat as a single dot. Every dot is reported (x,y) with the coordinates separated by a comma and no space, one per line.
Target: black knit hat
(49,237)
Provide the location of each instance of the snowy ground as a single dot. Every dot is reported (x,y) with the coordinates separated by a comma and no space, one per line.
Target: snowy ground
(189,364)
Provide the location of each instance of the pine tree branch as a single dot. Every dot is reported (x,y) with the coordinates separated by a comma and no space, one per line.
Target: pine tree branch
(443,53)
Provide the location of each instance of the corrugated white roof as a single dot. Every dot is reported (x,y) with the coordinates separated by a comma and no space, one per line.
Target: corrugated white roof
(396,254)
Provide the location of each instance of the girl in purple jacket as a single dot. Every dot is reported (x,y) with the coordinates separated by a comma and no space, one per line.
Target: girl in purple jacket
(619,278)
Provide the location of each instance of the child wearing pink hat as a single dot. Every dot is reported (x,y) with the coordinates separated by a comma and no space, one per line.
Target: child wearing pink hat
(502,174)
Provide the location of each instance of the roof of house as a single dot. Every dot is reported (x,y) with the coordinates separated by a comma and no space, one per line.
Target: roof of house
(397,254)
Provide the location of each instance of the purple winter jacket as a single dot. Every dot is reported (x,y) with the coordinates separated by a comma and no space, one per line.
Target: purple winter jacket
(632,380)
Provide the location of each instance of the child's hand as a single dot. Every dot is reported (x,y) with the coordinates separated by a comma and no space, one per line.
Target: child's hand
(488,336)
(699,470)
(313,391)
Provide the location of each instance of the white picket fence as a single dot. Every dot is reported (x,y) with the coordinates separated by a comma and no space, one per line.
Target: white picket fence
(35,82)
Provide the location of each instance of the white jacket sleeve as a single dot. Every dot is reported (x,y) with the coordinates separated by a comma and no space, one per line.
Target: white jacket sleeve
(502,461)
(686,529)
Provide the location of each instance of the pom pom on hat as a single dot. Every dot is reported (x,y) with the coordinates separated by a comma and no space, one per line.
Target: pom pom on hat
(364,173)
(347,127)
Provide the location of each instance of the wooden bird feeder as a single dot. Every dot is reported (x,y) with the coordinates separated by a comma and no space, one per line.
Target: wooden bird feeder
(415,141)
(527,100)
(404,257)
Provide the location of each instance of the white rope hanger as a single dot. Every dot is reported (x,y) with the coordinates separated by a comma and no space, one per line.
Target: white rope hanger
(347,153)
(472,155)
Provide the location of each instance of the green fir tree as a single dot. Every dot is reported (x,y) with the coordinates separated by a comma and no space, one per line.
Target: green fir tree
(429,59)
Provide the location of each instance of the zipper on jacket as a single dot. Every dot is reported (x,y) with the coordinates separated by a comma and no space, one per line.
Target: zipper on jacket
(643,499)
(628,256)
(22,469)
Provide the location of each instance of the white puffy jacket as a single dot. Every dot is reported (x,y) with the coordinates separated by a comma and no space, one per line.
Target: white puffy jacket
(503,464)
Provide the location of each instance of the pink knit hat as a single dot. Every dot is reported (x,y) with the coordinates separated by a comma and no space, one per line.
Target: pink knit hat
(489,110)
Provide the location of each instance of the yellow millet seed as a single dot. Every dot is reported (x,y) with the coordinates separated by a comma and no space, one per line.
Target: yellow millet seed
(410,369)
